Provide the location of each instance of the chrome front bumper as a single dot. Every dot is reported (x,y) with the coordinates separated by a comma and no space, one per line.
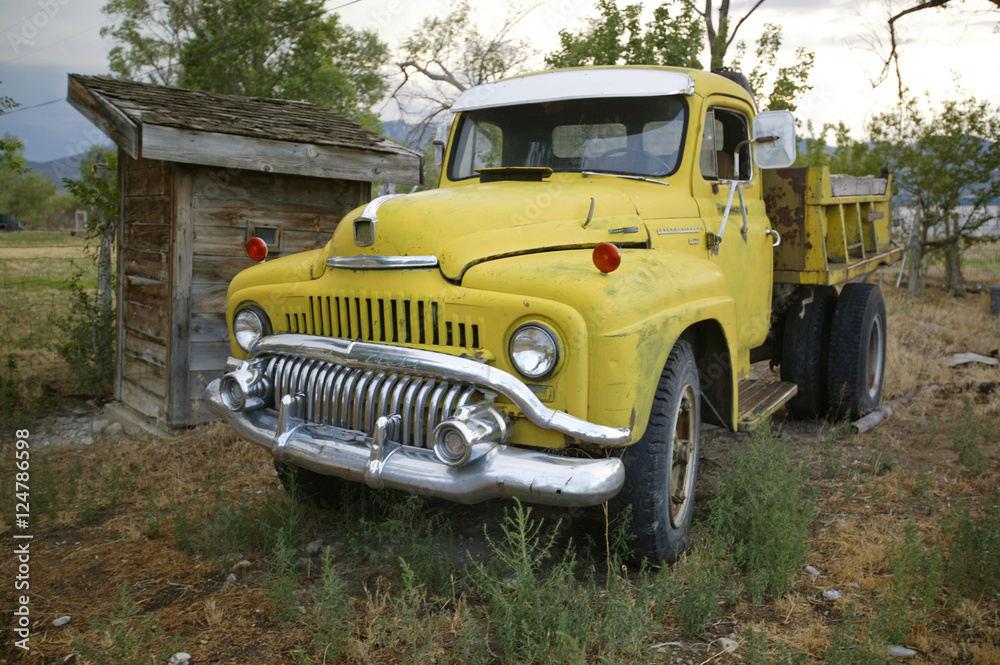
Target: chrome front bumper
(504,471)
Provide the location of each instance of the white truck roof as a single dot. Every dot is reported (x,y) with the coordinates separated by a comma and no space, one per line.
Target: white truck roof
(565,84)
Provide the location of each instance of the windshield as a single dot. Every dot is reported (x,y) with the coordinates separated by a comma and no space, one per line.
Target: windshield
(640,136)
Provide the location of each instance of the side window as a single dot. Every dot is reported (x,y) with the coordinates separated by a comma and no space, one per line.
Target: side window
(724,130)
(479,145)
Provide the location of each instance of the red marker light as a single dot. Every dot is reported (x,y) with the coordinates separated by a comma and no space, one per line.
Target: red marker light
(607,257)
(256,249)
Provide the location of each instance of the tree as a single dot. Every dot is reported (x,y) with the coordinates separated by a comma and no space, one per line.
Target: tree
(617,38)
(23,193)
(290,49)
(10,145)
(947,170)
(890,60)
(89,324)
(286,49)
(446,56)
(673,38)
(780,86)
(720,37)
(150,36)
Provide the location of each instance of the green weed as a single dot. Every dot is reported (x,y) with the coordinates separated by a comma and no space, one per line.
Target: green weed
(763,510)
(535,612)
(973,561)
(126,637)
(917,572)
(329,619)
(696,584)
(849,645)
(966,437)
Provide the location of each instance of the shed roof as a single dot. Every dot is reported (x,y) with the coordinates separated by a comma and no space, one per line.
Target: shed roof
(192,126)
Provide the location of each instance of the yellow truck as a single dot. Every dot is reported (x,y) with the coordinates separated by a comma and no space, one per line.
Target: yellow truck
(608,252)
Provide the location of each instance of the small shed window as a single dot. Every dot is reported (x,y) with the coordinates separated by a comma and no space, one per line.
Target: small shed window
(269,233)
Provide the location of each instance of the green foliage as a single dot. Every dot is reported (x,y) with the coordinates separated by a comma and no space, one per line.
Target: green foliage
(259,523)
(125,637)
(285,49)
(330,617)
(87,342)
(290,49)
(917,573)
(535,612)
(763,510)
(850,645)
(696,582)
(149,38)
(947,169)
(972,566)
(966,437)
(23,193)
(779,86)
(618,38)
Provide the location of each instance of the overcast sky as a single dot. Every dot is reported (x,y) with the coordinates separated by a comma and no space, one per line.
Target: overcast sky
(43,40)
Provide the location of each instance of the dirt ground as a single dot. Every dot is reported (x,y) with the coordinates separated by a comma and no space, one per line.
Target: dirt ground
(83,550)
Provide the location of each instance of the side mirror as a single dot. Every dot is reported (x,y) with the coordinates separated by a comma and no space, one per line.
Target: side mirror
(438,152)
(774,139)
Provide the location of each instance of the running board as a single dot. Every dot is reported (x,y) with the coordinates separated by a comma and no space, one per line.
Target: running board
(759,399)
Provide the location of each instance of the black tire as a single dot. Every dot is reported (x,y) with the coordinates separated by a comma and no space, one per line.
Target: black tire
(308,485)
(857,351)
(662,467)
(805,347)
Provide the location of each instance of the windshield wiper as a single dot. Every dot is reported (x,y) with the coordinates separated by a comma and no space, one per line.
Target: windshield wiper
(627,177)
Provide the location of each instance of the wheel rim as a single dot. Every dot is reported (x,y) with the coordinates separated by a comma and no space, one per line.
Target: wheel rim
(682,465)
(875,357)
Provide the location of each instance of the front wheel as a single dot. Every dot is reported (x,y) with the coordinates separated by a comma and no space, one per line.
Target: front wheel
(662,467)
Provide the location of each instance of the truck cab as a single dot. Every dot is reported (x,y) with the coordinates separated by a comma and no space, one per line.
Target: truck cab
(589,283)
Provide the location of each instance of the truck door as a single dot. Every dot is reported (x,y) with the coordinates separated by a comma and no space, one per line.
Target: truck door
(744,255)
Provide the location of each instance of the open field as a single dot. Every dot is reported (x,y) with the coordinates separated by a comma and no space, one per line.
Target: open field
(158,546)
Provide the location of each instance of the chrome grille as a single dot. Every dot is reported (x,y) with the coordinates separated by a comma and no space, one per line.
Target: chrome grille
(390,320)
(356,398)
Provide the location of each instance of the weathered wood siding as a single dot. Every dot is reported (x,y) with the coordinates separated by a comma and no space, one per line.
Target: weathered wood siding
(222,202)
(144,284)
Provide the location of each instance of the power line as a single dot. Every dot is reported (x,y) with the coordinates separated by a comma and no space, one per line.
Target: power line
(42,48)
(33,106)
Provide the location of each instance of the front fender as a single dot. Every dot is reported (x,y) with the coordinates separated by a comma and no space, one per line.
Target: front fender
(633,316)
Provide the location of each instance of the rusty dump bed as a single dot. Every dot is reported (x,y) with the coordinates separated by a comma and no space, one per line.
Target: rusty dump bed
(833,228)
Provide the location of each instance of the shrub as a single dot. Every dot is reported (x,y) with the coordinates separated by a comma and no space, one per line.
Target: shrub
(764,511)
(973,561)
(88,343)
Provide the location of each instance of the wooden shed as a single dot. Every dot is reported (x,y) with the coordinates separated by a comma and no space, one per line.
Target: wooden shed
(199,173)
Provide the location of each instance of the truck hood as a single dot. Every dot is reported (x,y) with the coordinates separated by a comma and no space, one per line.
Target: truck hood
(466,225)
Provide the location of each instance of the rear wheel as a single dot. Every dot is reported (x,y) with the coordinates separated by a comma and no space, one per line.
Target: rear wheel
(857,351)
(305,484)
(805,348)
(662,467)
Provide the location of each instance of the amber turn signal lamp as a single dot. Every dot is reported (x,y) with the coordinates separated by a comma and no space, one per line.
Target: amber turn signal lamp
(256,249)
(607,258)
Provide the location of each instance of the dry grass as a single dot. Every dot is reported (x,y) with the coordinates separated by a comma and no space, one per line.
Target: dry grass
(135,511)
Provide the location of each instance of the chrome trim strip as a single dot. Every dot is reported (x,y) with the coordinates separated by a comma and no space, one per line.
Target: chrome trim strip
(367,356)
(371,262)
(505,472)
(370,216)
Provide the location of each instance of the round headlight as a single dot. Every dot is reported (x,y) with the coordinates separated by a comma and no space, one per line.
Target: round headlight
(533,351)
(248,327)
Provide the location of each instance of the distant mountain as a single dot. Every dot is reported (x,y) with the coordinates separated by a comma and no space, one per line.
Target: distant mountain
(57,169)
